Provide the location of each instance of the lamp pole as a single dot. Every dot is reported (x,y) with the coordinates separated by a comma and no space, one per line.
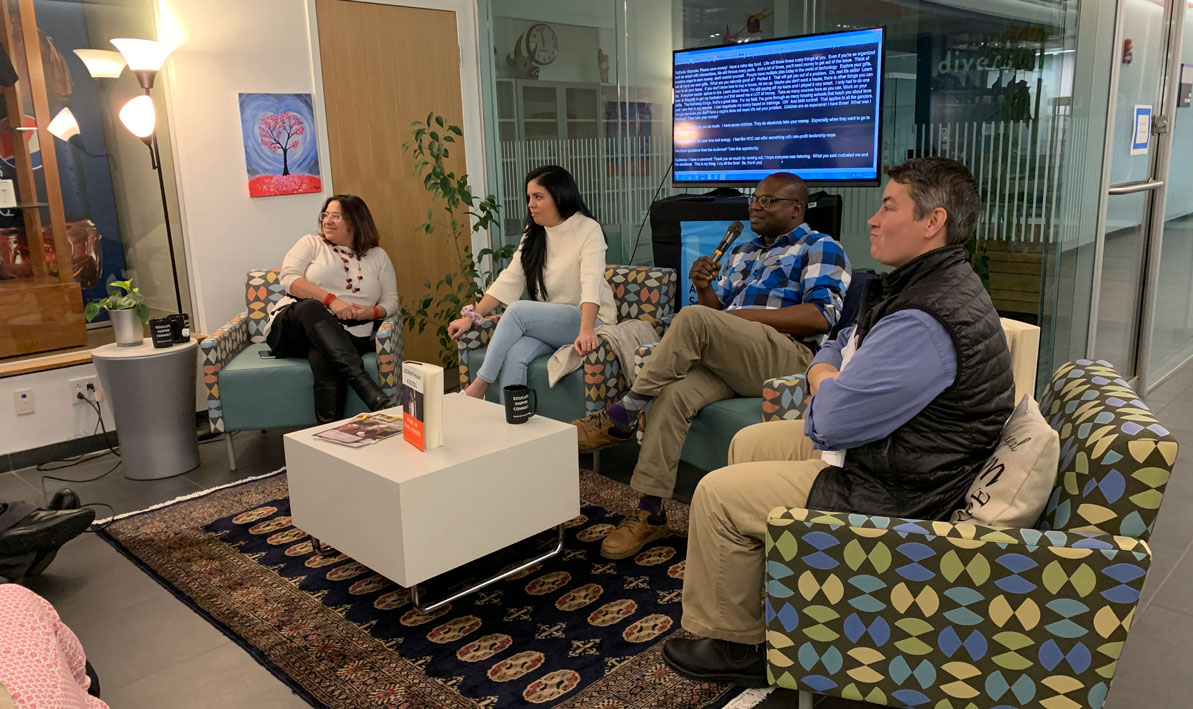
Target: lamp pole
(155,159)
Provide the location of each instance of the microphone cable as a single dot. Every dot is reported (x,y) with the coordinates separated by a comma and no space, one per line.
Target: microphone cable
(647,215)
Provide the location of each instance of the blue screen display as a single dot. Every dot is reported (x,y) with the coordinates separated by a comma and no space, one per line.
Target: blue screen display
(809,105)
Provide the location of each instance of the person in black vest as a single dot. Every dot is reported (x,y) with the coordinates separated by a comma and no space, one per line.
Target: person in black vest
(906,407)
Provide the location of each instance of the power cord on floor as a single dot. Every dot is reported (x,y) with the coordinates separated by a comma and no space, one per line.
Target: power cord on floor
(93,402)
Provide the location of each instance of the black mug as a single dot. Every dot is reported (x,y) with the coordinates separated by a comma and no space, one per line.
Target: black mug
(521,402)
(161,332)
(180,326)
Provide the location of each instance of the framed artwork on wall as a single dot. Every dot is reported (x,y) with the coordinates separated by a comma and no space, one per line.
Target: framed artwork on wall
(281,154)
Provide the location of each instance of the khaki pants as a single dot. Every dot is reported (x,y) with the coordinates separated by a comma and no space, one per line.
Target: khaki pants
(706,356)
(770,465)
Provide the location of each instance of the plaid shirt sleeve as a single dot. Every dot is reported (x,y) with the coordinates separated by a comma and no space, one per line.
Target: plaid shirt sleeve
(826,275)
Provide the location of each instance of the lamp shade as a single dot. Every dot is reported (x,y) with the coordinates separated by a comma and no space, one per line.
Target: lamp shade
(64,126)
(139,117)
(102,63)
(142,54)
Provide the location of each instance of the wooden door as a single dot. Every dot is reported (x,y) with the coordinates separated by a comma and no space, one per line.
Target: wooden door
(385,66)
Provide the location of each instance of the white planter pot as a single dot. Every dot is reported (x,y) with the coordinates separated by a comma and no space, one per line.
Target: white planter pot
(128,328)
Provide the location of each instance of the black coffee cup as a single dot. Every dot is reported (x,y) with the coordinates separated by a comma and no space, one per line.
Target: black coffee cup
(180,326)
(161,332)
(521,402)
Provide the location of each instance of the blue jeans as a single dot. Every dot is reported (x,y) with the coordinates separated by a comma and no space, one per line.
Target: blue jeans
(527,330)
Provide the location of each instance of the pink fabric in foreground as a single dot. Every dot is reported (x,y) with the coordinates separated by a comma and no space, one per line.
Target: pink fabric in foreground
(41,660)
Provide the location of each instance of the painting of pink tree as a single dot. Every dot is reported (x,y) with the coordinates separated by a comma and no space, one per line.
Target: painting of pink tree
(280,152)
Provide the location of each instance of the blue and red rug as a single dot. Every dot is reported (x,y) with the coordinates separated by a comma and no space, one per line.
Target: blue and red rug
(579,631)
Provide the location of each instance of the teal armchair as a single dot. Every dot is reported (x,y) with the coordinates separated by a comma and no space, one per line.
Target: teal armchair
(640,292)
(915,613)
(247,392)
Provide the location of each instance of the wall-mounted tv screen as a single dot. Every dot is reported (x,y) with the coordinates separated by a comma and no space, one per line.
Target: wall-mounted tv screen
(811,105)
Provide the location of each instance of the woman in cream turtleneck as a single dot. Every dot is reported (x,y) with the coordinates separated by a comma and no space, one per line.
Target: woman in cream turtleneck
(560,263)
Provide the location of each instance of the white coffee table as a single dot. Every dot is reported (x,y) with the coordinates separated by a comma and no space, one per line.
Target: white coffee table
(411,515)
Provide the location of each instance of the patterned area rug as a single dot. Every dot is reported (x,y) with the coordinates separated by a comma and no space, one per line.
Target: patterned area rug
(579,631)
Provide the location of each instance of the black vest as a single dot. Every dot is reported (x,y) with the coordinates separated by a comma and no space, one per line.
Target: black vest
(925,467)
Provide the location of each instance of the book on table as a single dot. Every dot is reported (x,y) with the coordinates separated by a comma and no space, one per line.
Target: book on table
(422,404)
(363,430)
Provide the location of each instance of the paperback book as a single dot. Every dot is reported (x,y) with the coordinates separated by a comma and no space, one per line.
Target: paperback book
(422,404)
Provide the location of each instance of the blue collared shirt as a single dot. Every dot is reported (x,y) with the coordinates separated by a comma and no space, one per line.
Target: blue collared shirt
(904,363)
(802,266)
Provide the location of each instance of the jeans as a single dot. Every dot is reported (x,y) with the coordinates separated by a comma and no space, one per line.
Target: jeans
(527,330)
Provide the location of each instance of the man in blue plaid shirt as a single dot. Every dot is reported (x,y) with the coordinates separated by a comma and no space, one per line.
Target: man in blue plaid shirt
(779,295)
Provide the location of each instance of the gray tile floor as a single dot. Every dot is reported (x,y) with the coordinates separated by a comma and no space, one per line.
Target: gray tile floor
(152,651)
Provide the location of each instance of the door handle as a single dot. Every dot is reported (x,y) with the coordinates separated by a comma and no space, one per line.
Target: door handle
(1133,187)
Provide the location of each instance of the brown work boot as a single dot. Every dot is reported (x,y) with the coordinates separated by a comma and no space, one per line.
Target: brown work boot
(596,431)
(634,532)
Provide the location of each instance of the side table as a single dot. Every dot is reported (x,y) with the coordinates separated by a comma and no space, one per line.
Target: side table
(152,393)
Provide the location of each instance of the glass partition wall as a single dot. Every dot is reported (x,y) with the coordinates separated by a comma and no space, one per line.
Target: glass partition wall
(1009,87)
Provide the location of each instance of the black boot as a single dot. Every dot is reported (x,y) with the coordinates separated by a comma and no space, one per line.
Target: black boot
(335,343)
(709,660)
(329,398)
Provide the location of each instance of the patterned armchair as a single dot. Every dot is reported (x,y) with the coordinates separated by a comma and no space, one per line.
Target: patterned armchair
(642,292)
(245,391)
(911,613)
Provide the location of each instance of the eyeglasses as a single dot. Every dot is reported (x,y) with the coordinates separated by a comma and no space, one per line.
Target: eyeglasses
(333,217)
(765,200)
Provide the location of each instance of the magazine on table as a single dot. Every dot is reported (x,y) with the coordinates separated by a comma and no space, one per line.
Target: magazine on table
(363,430)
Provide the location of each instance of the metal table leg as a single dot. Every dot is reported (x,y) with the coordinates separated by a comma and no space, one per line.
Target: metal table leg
(416,595)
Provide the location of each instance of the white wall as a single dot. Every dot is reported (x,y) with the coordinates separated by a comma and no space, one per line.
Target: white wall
(57,418)
(231,47)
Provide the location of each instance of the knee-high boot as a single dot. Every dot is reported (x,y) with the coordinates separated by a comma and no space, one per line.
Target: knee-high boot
(329,401)
(333,340)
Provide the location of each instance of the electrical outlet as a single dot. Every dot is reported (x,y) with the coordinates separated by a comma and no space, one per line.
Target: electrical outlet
(79,386)
(22,400)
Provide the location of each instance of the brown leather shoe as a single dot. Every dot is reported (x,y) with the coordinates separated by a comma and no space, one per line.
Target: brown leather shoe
(634,532)
(596,431)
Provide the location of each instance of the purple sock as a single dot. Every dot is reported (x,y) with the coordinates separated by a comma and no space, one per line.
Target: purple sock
(621,417)
(652,504)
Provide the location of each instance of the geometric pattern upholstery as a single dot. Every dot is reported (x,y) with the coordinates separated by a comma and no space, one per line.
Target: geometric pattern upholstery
(783,398)
(639,293)
(263,288)
(914,613)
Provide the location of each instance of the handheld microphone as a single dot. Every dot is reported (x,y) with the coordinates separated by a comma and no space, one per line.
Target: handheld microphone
(731,235)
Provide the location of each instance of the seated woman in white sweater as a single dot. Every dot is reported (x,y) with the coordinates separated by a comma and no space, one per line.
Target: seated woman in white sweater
(560,263)
(340,283)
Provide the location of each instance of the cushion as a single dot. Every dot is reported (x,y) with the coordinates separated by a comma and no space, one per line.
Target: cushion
(274,393)
(1014,485)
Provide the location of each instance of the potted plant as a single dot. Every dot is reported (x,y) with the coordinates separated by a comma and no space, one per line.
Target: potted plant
(128,311)
(461,214)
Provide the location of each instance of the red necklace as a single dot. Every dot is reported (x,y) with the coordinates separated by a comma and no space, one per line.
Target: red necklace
(346,255)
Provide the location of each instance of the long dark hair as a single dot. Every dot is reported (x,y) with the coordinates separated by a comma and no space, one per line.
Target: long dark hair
(560,184)
(357,215)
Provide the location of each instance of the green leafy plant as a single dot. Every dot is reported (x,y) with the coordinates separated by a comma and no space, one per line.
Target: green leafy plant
(130,299)
(452,197)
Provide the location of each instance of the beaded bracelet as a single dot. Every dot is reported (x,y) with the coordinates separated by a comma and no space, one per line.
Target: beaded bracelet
(469,311)
(327,299)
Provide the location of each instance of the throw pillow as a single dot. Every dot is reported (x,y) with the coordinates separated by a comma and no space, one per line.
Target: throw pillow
(1015,483)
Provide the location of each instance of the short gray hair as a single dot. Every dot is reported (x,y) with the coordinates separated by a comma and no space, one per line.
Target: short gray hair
(945,183)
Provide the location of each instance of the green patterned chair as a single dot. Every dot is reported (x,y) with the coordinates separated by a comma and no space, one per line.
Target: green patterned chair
(640,292)
(912,613)
(246,392)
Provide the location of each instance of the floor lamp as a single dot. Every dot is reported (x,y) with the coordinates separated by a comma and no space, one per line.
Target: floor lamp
(145,58)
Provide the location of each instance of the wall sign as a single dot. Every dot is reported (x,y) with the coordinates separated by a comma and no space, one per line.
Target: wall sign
(1141,130)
